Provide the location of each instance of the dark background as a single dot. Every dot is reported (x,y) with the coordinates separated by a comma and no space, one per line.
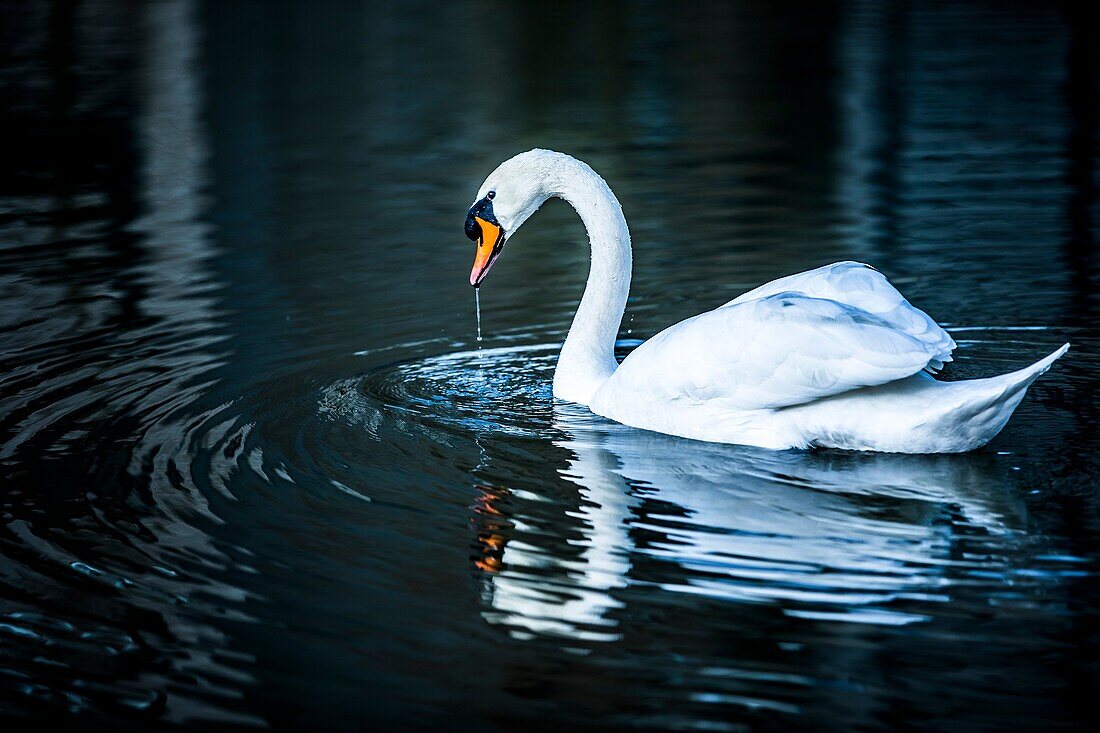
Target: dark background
(243,485)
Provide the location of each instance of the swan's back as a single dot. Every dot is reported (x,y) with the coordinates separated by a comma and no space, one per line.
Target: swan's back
(864,287)
(771,352)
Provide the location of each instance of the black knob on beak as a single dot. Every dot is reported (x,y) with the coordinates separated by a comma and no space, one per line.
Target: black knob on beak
(473,229)
(483,210)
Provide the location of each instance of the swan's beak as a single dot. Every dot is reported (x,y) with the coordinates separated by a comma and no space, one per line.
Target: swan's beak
(489,244)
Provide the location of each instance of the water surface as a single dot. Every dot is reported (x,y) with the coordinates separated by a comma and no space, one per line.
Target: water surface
(257,471)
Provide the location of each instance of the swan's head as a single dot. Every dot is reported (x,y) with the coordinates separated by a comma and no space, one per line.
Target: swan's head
(510,194)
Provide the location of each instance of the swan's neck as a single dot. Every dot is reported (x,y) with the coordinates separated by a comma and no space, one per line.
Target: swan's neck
(587,358)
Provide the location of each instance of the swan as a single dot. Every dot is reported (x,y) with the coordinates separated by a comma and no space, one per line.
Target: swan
(833,357)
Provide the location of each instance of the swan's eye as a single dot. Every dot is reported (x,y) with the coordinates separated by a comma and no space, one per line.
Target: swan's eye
(491,195)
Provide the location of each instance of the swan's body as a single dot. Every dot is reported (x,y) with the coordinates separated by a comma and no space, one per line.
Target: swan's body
(832,357)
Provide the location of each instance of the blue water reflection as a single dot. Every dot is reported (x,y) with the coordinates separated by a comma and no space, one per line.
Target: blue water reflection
(257,473)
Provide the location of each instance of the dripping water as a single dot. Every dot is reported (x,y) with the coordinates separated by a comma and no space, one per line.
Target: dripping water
(477,307)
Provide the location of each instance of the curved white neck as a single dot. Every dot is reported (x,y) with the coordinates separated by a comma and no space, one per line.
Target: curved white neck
(587,358)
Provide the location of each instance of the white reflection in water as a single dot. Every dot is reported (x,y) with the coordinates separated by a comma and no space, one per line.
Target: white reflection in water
(832,536)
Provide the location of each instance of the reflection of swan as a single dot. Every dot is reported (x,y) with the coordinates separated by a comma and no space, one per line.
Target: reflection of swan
(833,536)
(830,357)
(564,592)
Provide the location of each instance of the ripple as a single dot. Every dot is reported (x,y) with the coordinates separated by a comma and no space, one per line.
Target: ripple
(827,536)
(241,436)
(505,390)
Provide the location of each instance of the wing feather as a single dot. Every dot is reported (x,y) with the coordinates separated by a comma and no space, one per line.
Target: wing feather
(864,287)
(773,351)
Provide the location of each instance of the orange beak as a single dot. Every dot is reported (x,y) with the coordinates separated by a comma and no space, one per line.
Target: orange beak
(489,245)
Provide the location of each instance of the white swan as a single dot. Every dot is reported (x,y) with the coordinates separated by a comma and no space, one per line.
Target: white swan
(833,357)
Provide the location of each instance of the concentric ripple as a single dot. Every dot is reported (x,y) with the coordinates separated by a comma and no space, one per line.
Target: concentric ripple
(504,390)
(255,472)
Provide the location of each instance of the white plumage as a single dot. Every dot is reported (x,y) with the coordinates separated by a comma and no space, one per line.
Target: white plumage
(830,357)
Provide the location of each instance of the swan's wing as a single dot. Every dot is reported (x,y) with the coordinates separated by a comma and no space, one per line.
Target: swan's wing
(864,287)
(776,351)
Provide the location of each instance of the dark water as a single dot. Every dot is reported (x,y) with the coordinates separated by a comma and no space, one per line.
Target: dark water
(256,471)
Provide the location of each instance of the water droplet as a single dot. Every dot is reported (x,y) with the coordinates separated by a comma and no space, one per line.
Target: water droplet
(477,307)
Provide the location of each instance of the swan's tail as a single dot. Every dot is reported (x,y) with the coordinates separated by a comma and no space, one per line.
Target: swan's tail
(987,404)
